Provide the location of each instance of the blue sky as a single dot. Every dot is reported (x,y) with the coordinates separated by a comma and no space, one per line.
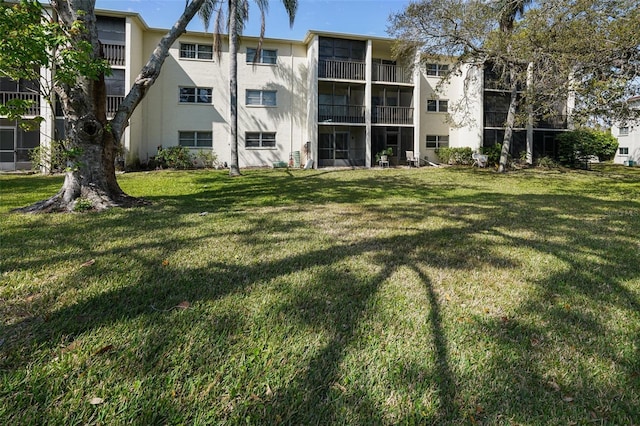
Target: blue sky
(366,17)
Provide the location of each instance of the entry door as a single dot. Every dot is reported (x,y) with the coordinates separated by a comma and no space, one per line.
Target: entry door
(7,148)
(333,148)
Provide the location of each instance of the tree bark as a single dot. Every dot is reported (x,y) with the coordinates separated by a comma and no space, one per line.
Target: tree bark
(93,141)
(511,119)
(234,167)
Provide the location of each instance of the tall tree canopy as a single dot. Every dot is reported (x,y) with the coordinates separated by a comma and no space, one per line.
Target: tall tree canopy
(66,42)
(588,50)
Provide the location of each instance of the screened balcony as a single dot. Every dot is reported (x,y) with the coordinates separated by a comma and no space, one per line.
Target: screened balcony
(392,115)
(341,70)
(391,73)
(341,113)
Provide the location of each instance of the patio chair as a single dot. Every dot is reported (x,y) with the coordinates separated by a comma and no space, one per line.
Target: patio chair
(412,159)
(479,160)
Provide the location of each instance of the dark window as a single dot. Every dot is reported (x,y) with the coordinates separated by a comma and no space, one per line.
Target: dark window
(195,139)
(260,140)
(195,95)
(196,51)
(267,56)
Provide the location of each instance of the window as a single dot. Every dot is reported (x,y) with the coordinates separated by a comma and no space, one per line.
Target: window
(437,105)
(266,56)
(435,141)
(195,139)
(196,51)
(623,150)
(624,131)
(261,97)
(438,70)
(195,95)
(260,140)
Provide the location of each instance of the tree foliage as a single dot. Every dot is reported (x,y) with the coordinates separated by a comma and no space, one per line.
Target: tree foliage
(580,52)
(577,147)
(30,38)
(66,43)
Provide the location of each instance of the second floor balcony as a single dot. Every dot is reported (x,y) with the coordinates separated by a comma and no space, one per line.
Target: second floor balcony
(341,113)
(341,70)
(392,74)
(33,98)
(114,53)
(499,119)
(392,115)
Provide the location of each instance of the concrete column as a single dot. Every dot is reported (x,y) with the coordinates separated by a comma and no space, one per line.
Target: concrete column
(312,99)
(368,103)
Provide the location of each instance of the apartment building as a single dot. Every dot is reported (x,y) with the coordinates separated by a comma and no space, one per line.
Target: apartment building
(335,99)
(628,135)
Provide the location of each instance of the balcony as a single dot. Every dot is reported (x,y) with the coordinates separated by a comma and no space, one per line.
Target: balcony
(113,102)
(34,108)
(341,70)
(553,122)
(392,115)
(392,74)
(114,54)
(495,118)
(341,113)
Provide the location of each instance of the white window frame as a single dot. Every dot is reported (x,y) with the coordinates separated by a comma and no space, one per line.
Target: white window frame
(198,135)
(251,53)
(261,138)
(441,141)
(251,94)
(623,150)
(623,131)
(197,93)
(441,105)
(198,55)
(437,70)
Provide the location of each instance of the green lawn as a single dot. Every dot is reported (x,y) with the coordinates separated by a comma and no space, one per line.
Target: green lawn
(402,296)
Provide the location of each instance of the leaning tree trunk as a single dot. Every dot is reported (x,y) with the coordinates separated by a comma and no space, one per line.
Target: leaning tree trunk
(234,167)
(92,140)
(511,119)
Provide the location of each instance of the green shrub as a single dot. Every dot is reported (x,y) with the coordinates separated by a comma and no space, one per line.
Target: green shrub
(175,157)
(455,156)
(547,163)
(52,155)
(577,146)
(492,153)
(208,158)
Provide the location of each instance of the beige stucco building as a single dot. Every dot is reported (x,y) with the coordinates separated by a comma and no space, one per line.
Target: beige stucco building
(328,100)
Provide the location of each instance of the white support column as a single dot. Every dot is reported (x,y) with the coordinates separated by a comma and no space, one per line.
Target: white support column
(417,106)
(312,100)
(48,125)
(368,103)
(530,116)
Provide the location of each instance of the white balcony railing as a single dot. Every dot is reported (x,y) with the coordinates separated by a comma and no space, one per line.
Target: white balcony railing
(343,70)
(114,53)
(392,115)
(34,108)
(392,73)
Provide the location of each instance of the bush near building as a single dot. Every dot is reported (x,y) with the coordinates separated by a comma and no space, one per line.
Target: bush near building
(577,147)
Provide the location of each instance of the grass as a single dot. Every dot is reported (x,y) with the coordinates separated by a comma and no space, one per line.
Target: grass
(403,296)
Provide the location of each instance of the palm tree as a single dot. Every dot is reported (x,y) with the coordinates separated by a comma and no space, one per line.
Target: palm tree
(238,14)
(508,12)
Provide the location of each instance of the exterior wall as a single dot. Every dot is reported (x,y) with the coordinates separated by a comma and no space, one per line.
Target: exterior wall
(631,142)
(164,116)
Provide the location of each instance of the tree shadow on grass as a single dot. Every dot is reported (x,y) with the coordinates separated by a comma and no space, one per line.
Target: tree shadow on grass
(513,384)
